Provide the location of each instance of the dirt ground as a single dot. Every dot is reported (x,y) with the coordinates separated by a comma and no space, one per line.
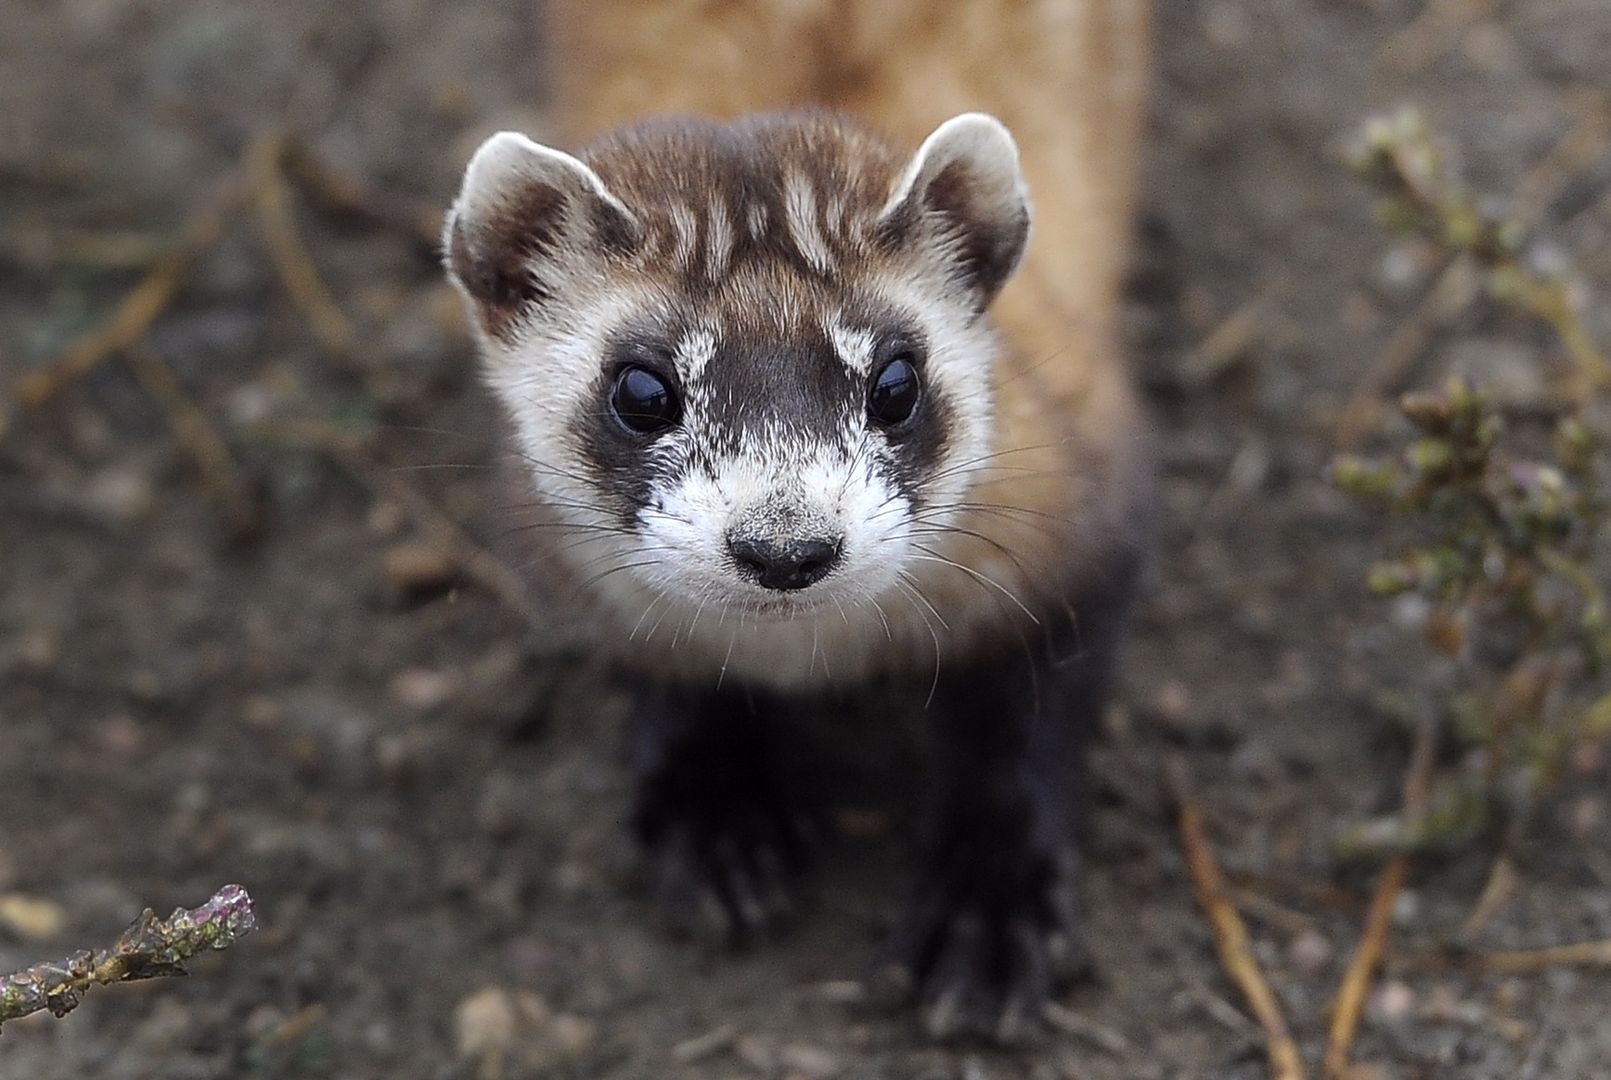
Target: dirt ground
(426,800)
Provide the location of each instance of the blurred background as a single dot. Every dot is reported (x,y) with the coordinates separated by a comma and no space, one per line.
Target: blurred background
(243,638)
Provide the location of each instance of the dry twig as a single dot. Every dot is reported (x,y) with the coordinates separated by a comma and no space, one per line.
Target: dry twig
(141,307)
(346,195)
(150,948)
(1530,961)
(349,452)
(1379,918)
(1456,288)
(1230,933)
(216,464)
(271,198)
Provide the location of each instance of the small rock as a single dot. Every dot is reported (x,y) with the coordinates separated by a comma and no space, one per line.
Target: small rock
(422,689)
(1310,952)
(759,1052)
(38,649)
(1407,908)
(31,918)
(386,518)
(703,1046)
(1393,1001)
(262,713)
(496,1029)
(415,569)
(1172,703)
(484,1028)
(1588,817)
(120,735)
(810,1061)
(1588,758)
(120,494)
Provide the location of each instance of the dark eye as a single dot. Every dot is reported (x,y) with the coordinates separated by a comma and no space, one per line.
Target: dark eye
(643,401)
(895,391)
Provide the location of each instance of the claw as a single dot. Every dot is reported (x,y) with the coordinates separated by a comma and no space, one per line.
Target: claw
(982,964)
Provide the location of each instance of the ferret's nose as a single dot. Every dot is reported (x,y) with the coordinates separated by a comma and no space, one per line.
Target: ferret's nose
(790,564)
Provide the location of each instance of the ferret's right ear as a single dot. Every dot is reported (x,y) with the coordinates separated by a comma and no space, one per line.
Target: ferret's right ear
(526,218)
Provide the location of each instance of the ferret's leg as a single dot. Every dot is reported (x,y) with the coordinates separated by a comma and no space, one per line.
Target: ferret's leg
(716,812)
(994,925)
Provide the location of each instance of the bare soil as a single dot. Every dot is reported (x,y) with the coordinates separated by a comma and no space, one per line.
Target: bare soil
(426,797)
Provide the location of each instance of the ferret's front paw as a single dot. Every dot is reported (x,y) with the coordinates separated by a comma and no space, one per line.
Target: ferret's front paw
(722,861)
(986,942)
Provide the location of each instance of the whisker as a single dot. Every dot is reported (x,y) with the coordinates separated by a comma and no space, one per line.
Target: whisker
(929,555)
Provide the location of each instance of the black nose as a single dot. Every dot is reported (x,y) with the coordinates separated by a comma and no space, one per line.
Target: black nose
(792,564)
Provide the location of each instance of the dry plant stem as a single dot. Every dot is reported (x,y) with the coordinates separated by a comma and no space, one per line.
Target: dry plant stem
(1230,933)
(271,198)
(1500,887)
(1532,961)
(1454,291)
(1379,918)
(1459,284)
(342,194)
(148,949)
(141,307)
(348,452)
(212,456)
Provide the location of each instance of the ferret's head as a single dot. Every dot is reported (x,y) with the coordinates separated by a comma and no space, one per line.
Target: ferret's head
(746,363)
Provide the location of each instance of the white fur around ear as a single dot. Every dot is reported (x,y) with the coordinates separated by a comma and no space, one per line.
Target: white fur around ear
(508,162)
(967,173)
(524,212)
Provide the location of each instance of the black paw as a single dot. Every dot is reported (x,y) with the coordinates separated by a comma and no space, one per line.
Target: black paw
(986,943)
(722,862)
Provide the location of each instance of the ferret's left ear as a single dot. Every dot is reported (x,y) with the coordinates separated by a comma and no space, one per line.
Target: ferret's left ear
(528,219)
(963,191)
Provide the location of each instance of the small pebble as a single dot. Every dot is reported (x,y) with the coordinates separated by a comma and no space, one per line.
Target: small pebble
(1172,703)
(422,689)
(759,1052)
(418,568)
(120,494)
(1310,952)
(31,918)
(1393,1001)
(809,1061)
(500,1031)
(1407,908)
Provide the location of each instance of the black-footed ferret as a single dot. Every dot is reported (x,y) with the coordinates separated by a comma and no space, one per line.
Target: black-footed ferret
(817,396)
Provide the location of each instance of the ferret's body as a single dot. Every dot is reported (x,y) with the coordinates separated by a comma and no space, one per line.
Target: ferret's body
(802,412)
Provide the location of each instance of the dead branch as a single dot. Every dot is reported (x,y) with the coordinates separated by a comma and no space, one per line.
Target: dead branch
(271,199)
(349,453)
(1455,290)
(214,461)
(150,948)
(1531,961)
(1230,933)
(141,307)
(345,195)
(1379,918)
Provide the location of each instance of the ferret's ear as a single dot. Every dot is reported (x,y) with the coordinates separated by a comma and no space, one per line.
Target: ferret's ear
(963,190)
(526,218)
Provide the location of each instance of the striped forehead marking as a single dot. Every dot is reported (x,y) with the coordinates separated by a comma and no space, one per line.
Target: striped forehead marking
(854,346)
(800,217)
(693,353)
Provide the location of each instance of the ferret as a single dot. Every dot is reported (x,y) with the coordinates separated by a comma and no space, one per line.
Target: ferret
(808,354)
